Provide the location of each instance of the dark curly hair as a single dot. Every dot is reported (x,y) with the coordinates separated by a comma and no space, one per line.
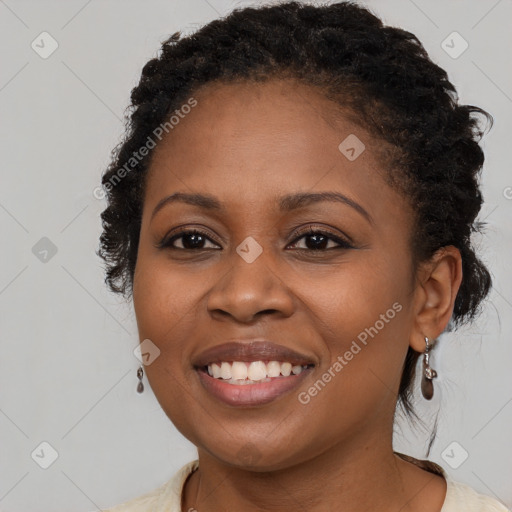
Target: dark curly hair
(381,75)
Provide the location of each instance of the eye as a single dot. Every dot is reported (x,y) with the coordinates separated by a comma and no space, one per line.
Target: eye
(190,239)
(319,240)
(195,239)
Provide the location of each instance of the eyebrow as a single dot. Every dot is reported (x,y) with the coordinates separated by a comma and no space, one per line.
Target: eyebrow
(286,203)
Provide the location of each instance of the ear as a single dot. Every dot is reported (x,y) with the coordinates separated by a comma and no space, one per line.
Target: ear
(438,282)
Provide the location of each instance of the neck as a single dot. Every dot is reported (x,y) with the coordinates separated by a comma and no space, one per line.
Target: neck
(363,477)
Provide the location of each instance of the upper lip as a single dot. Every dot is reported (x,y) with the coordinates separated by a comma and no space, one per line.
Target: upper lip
(252,350)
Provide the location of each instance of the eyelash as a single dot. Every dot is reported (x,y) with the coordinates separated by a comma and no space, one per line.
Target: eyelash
(167,242)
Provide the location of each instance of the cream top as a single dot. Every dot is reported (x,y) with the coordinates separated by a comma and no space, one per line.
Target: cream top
(167,498)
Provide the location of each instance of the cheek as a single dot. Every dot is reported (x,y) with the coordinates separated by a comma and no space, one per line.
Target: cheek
(166,303)
(363,319)
(365,336)
(357,298)
(163,297)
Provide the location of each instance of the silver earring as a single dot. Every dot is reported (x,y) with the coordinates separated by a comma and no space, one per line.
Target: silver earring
(140,374)
(427,387)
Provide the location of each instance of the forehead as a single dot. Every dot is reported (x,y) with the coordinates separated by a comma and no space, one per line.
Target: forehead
(246,142)
(243,112)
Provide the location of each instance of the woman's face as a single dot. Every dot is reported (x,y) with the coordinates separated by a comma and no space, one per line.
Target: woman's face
(342,299)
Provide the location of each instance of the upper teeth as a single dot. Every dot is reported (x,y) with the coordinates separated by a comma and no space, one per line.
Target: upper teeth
(256,370)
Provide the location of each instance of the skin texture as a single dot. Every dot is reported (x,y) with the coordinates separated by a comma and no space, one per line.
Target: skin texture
(247,145)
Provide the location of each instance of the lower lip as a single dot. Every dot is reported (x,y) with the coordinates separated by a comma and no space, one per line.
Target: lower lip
(251,394)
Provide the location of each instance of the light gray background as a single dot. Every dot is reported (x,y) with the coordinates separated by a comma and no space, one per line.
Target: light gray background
(68,373)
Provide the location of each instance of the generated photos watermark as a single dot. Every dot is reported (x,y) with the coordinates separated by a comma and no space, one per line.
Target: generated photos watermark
(305,397)
(137,156)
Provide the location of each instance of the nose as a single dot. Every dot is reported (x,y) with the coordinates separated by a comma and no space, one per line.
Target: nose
(248,290)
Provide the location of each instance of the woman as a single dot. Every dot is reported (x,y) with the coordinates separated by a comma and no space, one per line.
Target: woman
(291,213)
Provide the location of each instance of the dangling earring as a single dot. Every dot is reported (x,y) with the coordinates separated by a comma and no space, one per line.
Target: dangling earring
(427,387)
(140,374)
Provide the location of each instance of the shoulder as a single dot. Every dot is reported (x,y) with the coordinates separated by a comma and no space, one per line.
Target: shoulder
(166,498)
(460,496)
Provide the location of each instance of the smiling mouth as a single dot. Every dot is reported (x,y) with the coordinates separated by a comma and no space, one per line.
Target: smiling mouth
(250,384)
(252,372)
(248,373)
